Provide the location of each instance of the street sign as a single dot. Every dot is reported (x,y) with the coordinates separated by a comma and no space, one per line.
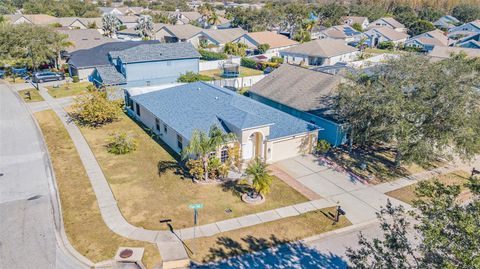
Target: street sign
(196,206)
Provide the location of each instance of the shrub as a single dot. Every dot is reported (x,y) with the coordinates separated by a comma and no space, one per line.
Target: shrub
(322,146)
(75,79)
(214,165)
(276,59)
(94,109)
(262,48)
(238,49)
(121,143)
(263,65)
(388,45)
(192,77)
(212,56)
(247,62)
(195,168)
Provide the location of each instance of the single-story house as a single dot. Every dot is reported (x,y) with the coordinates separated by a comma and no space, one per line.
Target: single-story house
(37,19)
(472,42)
(351,20)
(262,131)
(276,41)
(123,10)
(320,52)
(188,17)
(128,21)
(342,32)
(176,33)
(306,94)
(446,22)
(427,41)
(147,64)
(83,62)
(84,39)
(466,29)
(439,53)
(217,37)
(384,34)
(388,22)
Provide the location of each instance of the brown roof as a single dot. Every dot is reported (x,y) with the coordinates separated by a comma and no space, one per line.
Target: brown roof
(223,36)
(273,39)
(350,20)
(299,88)
(182,31)
(38,19)
(322,48)
(389,33)
(446,52)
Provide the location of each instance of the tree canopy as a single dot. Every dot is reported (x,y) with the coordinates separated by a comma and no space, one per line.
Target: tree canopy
(424,109)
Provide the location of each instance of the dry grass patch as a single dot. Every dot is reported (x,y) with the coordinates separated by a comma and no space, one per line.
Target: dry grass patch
(34,95)
(68,89)
(149,185)
(17,80)
(84,225)
(407,194)
(262,236)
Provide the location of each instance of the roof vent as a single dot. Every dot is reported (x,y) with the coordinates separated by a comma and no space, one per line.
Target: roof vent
(216,97)
(198,88)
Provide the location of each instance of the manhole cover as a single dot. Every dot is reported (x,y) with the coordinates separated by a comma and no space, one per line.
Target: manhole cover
(126,253)
(34,197)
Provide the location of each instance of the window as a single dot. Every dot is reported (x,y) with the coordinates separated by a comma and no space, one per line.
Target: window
(179,142)
(157,124)
(224,154)
(137,108)
(165,128)
(213,154)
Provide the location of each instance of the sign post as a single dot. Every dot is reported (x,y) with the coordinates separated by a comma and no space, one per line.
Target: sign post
(195,208)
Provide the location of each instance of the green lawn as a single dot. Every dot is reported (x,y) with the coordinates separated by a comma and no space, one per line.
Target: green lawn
(34,95)
(148,186)
(407,194)
(70,89)
(244,72)
(18,80)
(258,237)
(83,223)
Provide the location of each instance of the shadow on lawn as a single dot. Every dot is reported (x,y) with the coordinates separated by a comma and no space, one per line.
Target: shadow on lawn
(236,187)
(268,253)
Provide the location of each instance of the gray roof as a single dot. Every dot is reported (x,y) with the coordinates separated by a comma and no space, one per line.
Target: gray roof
(198,105)
(223,36)
(299,88)
(110,75)
(157,52)
(98,56)
(182,31)
(321,48)
(85,39)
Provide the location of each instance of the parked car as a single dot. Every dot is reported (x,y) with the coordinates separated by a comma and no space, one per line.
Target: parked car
(2,73)
(47,76)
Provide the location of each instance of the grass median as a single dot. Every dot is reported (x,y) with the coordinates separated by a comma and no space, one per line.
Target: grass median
(83,222)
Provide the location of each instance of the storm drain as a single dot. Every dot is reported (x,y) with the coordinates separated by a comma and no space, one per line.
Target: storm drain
(35,197)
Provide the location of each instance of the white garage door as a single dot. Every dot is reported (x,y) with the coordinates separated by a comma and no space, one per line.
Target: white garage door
(289,148)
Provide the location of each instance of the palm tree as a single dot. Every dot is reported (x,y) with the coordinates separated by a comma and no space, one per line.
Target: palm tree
(308,25)
(202,145)
(213,19)
(261,179)
(110,24)
(144,26)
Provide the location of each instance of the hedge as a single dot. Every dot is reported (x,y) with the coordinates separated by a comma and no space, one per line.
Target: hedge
(247,62)
(212,56)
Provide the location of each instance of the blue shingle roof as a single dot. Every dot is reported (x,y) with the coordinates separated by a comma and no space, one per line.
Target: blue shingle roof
(198,105)
(157,52)
(110,75)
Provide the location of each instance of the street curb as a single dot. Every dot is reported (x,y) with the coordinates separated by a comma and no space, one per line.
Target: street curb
(62,240)
(351,228)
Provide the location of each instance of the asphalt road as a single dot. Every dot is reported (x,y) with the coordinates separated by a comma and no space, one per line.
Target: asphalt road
(27,220)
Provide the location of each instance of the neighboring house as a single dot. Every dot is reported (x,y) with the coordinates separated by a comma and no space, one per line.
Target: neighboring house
(276,41)
(472,42)
(217,37)
(446,22)
(316,32)
(78,23)
(262,131)
(83,62)
(375,36)
(320,52)
(188,17)
(37,19)
(427,41)
(305,94)
(446,52)
(351,20)
(84,39)
(128,21)
(123,10)
(147,64)
(465,30)
(388,22)
(111,10)
(342,32)
(176,33)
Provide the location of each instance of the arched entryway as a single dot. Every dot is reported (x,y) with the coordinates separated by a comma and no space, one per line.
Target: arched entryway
(255,147)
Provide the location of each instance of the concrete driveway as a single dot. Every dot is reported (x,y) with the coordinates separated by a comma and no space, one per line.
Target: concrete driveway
(360,200)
